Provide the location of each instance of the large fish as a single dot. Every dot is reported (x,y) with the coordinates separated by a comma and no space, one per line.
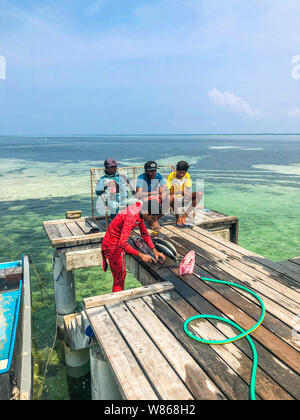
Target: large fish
(142,246)
(165,250)
(167,244)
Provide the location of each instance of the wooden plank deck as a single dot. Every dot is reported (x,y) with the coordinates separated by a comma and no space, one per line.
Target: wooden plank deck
(136,333)
(213,372)
(292,264)
(156,366)
(75,232)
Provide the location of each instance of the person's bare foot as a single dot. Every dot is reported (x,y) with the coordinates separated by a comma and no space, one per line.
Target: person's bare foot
(155,226)
(179,221)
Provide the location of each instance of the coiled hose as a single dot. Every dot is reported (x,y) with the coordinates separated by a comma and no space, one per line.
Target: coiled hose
(238,337)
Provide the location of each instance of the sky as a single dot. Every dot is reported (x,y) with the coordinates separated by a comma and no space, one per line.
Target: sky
(149,66)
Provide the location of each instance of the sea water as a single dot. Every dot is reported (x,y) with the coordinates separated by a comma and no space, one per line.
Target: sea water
(253,177)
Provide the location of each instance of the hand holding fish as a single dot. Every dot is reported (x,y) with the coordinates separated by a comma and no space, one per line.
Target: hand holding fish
(159,255)
(147,258)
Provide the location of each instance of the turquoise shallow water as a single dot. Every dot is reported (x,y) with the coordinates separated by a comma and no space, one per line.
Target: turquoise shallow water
(256,178)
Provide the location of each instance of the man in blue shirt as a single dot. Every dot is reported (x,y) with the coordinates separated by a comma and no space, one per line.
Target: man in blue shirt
(151,186)
(114,188)
(151,182)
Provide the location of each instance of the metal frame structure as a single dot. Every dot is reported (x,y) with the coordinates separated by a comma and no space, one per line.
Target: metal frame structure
(136,171)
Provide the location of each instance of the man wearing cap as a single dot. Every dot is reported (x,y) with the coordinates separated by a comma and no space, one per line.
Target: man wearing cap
(151,182)
(114,188)
(151,186)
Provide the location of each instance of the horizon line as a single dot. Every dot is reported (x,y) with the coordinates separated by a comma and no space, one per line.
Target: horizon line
(149,134)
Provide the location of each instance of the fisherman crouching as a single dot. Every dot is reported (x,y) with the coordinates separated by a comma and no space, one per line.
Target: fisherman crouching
(152,186)
(115,243)
(181,194)
(115,189)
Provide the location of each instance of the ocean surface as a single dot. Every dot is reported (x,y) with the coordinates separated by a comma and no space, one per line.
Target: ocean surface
(253,177)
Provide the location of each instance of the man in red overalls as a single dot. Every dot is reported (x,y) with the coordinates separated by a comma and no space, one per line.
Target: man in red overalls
(115,242)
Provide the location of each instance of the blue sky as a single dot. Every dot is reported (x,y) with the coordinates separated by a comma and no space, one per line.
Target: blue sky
(155,66)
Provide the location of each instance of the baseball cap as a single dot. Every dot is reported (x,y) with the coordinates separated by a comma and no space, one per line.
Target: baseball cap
(150,166)
(110,162)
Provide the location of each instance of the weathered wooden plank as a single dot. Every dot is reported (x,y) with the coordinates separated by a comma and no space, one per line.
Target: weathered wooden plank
(225,219)
(219,268)
(197,381)
(97,224)
(78,259)
(77,232)
(86,228)
(274,367)
(51,231)
(244,264)
(275,344)
(121,359)
(75,229)
(125,295)
(158,370)
(295,260)
(274,325)
(222,374)
(266,387)
(63,230)
(222,233)
(291,266)
(274,291)
(85,247)
(262,264)
(76,240)
(249,305)
(61,221)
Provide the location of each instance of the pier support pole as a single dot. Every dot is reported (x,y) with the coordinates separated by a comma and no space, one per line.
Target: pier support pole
(103,384)
(64,289)
(77,362)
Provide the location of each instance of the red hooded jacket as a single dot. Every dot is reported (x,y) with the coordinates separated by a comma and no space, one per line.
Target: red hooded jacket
(119,230)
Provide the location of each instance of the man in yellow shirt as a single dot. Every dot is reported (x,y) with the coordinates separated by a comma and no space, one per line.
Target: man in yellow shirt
(180,186)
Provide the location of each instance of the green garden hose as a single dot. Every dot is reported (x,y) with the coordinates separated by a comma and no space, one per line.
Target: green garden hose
(238,337)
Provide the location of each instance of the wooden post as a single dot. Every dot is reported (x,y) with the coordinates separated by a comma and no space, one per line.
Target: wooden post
(103,384)
(64,289)
(77,362)
(26,381)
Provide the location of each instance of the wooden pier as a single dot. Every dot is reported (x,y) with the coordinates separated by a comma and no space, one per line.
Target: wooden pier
(139,332)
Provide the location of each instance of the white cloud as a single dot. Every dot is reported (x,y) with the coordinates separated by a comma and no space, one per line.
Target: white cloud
(295,112)
(235,103)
